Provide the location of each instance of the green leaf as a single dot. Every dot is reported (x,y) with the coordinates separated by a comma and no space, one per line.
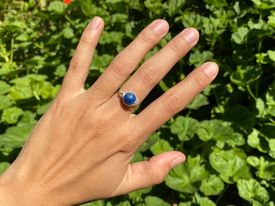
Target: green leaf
(155,201)
(124,203)
(219,131)
(264,4)
(33,85)
(19,92)
(237,114)
(5,102)
(270,102)
(3,167)
(254,140)
(137,157)
(240,35)
(155,6)
(271,144)
(199,101)
(95,203)
(153,138)
(4,88)
(212,186)
(14,137)
(198,57)
(111,37)
(214,129)
(184,127)
(43,108)
(271,20)
(230,164)
(187,177)
(271,54)
(160,146)
(191,19)
(11,115)
(185,203)
(60,71)
(173,6)
(266,169)
(216,3)
(57,7)
(204,201)
(252,191)
(137,196)
(253,161)
(260,105)
(90,10)
(245,75)
(68,32)
(8,68)
(28,117)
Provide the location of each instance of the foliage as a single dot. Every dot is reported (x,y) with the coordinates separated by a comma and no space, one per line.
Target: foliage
(227,132)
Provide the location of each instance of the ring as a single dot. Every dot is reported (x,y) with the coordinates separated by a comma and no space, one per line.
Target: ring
(128,98)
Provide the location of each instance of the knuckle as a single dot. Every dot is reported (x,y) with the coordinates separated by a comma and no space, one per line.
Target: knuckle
(148,37)
(86,38)
(58,105)
(148,75)
(74,64)
(176,48)
(128,138)
(97,126)
(172,103)
(179,46)
(127,141)
(100,125)
(197,82)
(157,177)
(120,67)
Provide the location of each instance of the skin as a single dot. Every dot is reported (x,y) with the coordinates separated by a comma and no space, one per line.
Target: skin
(80,150)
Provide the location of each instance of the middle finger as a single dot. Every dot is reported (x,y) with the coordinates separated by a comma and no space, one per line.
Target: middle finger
(126,61)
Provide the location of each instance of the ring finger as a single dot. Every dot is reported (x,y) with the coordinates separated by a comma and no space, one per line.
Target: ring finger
(154,69)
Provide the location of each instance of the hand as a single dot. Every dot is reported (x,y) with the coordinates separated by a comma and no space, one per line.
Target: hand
(81,148)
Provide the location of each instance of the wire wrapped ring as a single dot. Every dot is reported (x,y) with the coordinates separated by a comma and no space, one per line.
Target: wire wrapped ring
(129,98)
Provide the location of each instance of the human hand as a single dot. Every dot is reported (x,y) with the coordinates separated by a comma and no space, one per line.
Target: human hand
(81,148)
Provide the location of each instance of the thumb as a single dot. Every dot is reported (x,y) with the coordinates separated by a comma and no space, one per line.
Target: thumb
(150,172)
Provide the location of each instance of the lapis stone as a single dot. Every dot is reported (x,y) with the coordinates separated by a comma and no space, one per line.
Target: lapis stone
(129,98)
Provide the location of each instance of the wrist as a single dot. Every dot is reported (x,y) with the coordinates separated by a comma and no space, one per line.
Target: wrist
(13,194)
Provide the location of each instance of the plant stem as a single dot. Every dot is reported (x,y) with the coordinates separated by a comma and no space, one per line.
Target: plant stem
(250,92)
(11,50)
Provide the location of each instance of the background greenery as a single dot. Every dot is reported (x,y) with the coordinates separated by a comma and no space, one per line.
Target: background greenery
(227,132)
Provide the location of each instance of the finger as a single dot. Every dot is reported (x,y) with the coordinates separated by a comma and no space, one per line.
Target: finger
(126,61)
(154,69)
(175,99)
(79,65)
(147,173)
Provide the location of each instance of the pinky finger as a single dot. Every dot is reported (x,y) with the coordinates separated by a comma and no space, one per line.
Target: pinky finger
(175,99)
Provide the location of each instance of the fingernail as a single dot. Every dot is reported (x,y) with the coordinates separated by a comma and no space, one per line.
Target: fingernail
(177,161)
(210,69)
(95,23)
(190,35)
(160,26)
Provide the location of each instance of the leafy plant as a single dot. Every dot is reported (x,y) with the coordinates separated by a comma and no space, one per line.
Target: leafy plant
(227,132)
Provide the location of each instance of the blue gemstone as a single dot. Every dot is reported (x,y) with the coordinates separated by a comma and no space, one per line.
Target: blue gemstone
(129,98)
